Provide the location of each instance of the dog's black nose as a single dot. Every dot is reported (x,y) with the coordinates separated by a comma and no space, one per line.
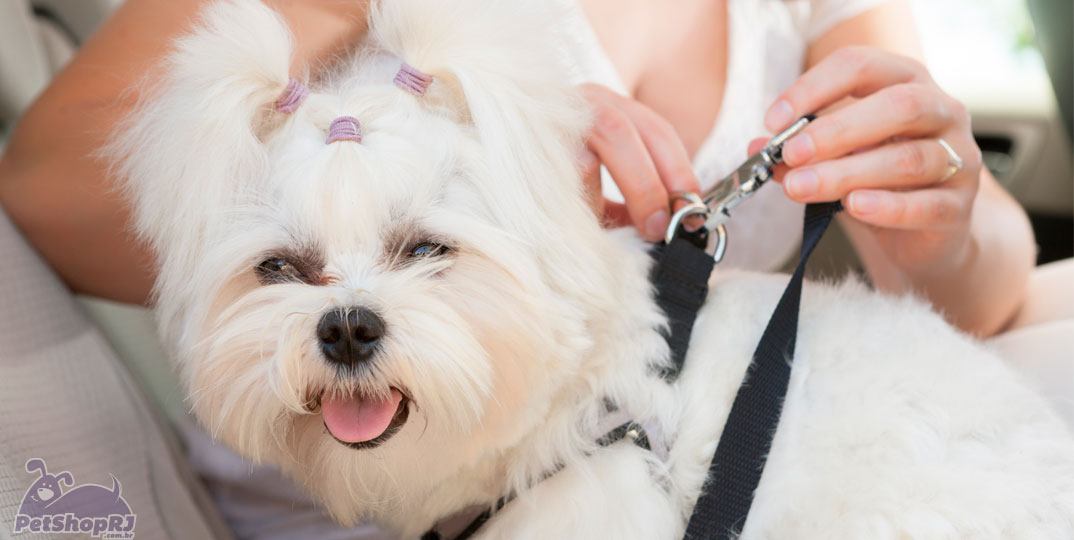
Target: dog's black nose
(350,336)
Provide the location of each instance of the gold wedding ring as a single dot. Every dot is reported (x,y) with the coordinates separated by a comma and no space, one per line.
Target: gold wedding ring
(954,162)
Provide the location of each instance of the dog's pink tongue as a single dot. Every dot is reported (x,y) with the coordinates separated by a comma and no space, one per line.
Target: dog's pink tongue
(357,419)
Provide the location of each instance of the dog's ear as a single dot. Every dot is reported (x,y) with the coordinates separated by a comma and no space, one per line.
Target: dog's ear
(514,50)
(192,144)
(500,65)
(36,464)
(65,479)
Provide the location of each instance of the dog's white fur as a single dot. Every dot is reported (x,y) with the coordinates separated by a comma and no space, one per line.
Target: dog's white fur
(895,425)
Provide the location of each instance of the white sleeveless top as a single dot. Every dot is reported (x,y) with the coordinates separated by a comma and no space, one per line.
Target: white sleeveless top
(768,41)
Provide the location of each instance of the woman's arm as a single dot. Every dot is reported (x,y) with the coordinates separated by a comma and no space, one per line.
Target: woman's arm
(962,242)
(60,196)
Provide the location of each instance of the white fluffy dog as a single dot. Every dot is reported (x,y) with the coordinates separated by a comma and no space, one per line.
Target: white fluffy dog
(432,318)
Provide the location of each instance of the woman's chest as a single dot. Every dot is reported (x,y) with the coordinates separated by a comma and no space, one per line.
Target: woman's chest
(671,56)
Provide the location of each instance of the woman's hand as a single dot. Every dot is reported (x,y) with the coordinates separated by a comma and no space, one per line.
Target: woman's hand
(880,154)
(645,157)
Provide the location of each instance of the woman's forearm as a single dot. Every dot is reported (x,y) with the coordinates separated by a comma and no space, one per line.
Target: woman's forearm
(984,286)
(60,196)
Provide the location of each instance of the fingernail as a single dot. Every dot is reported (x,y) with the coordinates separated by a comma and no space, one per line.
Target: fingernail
(657,225)
(692,223)
(802,184)
(863,203)
(779,116)
(799,149)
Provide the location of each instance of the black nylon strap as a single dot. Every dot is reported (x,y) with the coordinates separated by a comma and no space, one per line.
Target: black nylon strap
(609,438)
(681,278)
(736,468)
(619,433)
(472,527)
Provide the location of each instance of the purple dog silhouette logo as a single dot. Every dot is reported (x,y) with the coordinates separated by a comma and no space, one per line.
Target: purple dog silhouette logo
(89,508)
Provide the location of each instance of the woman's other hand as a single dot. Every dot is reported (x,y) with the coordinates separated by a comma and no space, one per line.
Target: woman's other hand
(881,154)
(644,156)
(962,242)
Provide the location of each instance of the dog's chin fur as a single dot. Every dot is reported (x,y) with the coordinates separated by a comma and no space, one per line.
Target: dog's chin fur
(510,345)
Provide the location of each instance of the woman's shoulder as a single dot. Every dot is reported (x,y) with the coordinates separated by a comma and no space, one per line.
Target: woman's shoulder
(813,18)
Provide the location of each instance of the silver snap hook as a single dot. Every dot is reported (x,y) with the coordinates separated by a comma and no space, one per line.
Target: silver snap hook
(696,207)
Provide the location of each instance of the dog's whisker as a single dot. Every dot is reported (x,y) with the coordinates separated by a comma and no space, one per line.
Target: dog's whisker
(358,292)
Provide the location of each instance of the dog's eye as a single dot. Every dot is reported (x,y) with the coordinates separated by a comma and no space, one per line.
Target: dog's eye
(276,269)
(428,249)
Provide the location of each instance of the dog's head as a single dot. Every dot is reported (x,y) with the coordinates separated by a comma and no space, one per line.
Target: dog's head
(376,315)
(45,490)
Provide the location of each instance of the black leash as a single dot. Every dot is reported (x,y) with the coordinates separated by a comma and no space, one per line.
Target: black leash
(736,468)
(680,276)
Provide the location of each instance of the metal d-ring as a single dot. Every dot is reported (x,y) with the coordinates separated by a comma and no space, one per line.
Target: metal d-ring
(719,242)
(696,207)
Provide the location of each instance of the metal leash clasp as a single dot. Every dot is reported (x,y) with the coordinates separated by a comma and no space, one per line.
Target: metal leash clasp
(715,205)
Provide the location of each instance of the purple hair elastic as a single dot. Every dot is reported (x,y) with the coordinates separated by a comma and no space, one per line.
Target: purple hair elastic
(344,128)
(292,96)
(410,79)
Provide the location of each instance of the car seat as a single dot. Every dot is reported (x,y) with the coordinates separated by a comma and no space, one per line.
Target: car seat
(66,399)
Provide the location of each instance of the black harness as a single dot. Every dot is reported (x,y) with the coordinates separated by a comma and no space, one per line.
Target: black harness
(680,276)
(628,429)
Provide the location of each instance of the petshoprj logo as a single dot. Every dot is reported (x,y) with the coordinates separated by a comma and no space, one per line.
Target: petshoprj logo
(90,508)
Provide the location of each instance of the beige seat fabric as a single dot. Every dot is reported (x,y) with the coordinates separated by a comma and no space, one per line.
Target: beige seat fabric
(65,398)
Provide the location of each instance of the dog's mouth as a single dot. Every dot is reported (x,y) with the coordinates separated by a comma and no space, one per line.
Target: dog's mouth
(363,421)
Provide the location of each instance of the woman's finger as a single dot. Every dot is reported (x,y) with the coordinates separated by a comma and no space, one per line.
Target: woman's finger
(589,170)
(907,164)
(905,110)
(847,72)
(618,145)
(615,215)
(757,145)
(665,148)
(938,208)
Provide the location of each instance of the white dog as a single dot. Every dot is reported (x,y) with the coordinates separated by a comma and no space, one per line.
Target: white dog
(431,318)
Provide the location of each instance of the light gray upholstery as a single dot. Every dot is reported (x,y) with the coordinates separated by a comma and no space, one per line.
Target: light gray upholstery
(35,46)
(24,66)
(67,399)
